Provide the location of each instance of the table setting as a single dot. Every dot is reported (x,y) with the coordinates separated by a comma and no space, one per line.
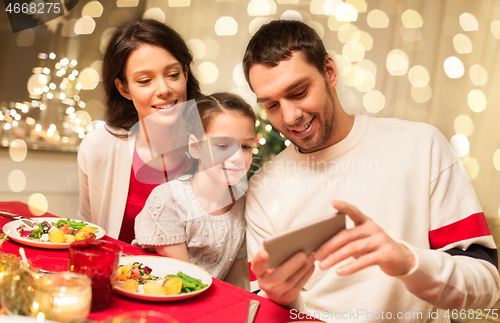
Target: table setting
(95,280)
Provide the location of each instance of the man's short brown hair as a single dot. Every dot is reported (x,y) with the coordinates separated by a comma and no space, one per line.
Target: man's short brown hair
(275,41)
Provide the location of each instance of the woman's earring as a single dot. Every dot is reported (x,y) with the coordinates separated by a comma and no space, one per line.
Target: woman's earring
(188,154)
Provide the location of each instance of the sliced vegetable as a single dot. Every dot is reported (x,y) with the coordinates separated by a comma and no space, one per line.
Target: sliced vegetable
(45,226)
(72,224)
(131,285)
(173,285)
(123,272)
(153,288)
(37,232)
(137,271)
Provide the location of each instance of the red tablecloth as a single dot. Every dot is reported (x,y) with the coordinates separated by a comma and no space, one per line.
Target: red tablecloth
(222,302)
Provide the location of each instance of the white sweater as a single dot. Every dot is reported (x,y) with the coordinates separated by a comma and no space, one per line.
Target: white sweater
(406,177)
(173,215)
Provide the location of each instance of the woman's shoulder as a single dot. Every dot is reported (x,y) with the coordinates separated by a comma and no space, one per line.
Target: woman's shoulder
(101,143)
(105,135)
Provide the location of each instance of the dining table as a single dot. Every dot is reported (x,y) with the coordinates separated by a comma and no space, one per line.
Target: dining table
(221,302)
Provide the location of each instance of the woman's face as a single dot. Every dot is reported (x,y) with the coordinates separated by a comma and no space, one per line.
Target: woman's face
(155,82)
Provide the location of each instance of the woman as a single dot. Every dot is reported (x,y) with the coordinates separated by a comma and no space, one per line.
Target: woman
(147,80)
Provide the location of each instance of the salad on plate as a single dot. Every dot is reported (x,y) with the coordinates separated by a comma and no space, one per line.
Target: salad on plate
(136,274)
(61,231)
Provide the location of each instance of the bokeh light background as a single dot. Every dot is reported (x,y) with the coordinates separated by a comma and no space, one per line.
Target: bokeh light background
(423,60)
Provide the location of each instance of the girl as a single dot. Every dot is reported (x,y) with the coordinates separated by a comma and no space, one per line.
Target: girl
(200,218)
(146,77)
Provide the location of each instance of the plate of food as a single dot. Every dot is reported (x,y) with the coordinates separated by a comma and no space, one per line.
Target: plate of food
(52,233)
(21,319)
(160,279)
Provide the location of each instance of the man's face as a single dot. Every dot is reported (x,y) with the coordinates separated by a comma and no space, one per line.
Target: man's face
(298,100)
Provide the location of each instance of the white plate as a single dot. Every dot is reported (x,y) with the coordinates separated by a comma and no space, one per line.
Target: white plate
(21,319)
(10,230)
(162,266)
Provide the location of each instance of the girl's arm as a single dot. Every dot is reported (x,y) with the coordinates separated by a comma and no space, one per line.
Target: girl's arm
(177,251)
(238,274)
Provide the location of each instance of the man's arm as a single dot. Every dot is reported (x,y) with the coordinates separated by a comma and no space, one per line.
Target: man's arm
(457,270)
(437,277)
(447,281)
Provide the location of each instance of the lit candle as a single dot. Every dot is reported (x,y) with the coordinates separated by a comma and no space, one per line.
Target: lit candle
(63,297)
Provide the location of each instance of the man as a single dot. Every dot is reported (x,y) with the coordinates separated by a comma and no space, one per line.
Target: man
(417,240)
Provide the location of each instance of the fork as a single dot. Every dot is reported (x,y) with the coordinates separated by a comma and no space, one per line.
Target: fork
(12,216)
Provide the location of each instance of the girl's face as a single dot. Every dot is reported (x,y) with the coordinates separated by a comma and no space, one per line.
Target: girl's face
(155,82)
(228,147)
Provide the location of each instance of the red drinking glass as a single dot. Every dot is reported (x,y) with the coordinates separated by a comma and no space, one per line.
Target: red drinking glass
(98,260)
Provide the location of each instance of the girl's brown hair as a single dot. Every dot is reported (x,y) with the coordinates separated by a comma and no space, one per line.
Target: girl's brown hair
(207,108)
(210,106)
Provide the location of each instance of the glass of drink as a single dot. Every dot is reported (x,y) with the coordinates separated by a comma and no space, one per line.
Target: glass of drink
(98,260)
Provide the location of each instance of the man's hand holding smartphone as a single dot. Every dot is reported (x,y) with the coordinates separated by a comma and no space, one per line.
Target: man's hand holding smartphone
(366,242)
(282,284)
(286,263)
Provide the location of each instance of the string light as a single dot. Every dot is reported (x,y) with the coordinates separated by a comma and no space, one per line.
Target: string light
(41,91)
(340,13)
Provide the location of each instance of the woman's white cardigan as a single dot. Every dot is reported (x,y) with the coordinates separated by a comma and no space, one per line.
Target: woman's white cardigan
(105,163)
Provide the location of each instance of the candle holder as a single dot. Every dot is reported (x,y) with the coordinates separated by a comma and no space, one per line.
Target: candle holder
(62,297)
(16,285)
(144,317)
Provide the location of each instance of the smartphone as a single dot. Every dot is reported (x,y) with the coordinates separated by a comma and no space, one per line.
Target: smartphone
(308,238)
